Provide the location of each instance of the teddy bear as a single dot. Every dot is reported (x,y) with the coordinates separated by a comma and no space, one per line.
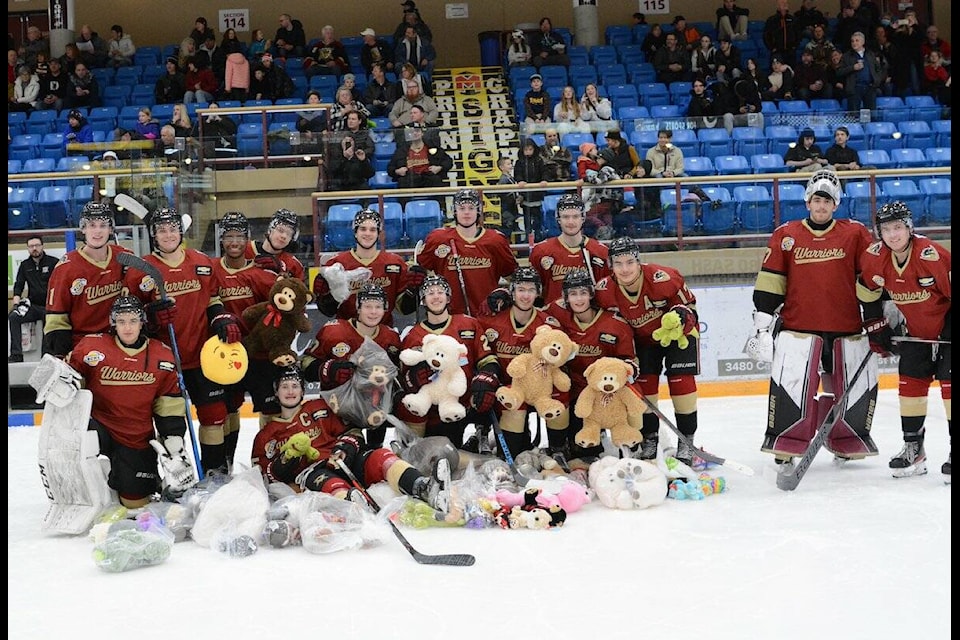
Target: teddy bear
(366,399)
(606,402)
(671,329)
(536,374)
(274,323)
(444,355)
(627,483)
(528,514)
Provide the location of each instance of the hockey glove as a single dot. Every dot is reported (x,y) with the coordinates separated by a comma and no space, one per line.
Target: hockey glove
(413,378)
(335,372)
(346,449)
(269,262)
(483,391)
(178,473)
(498,300)
(759,346)
(688,318)
(160,313)
(22,307)
(227,328)
(298,446)
(55,381)
(880,335)
(414,279)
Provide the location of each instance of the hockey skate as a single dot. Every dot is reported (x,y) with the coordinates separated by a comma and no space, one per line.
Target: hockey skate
(945,469)
(435,489)
(685,451)
(647,450)
(911,461)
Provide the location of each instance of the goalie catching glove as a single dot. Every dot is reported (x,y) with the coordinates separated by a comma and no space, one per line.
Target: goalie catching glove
(55,381)
(178,473)
(759,347)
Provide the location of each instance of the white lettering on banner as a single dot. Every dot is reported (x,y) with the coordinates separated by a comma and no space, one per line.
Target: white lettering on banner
(460,10)
(236,19)
(655,7)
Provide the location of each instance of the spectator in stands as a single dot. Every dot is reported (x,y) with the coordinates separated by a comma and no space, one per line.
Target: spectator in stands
(344,105)
(84,88)
(349,165)
(350,82)
(836,82)
(213,130)
(416,50)
(42,68)
(94,50)
(281,85)
(688,36)
(34,44)
(745,98)
(258,44)
(805,154)
(728,61)
(732,21)
(702,105)
(594,108)
(431,134)
(855,16)
(412,18)
(54,87)
(839,155)
(209,55)
(934,42)
(655,40)
(70,58)
(622,157)
(638,19)
(311,123)
(34,274)
(780,80)
(566,113)
(415,165)
(703,60)
(13,63)
(936,78)
(121,48)
(171,86)
(588,159)
(236,77)
(261,88)
(807,17)
(549,47)
(556,157)
(409,73)
(26,90)
(810,80)
(909,37)
(672,62)
(510,200)
(666,160)
(77,130)
(188,49)
(379,94)
(536,102)
(820,46)
(327,57)
(375,50)
(147,126)
(290,40)
(519,53)
(228,46)
(529,170)
(180,119)
(400,113)
(862,74)
(888,55)
(200,83)
(780,34)
(200,32)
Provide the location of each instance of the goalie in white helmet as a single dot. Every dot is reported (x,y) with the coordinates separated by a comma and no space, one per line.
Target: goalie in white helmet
(808,279)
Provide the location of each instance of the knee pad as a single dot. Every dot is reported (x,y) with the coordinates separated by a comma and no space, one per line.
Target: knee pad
(850,434)
(792,409)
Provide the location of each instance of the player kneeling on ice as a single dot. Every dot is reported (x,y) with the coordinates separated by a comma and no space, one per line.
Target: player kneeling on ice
(302,445)
(132,404)
(915,272)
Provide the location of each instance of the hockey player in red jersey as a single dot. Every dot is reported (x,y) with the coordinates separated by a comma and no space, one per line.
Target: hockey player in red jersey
(193,307)
(468,253)
(84,284)
(481,367)
(644,294)
(388,271)
(136,400)
(275,253)
(554,257)
(328,357)
(599,333)
(821,339)
(915,272)
(299,447)
(509,334)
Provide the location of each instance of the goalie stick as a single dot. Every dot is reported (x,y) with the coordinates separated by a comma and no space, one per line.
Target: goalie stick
(923,340)
(131,260)
(704,455)
(788,480)
(447,559)
(518,477)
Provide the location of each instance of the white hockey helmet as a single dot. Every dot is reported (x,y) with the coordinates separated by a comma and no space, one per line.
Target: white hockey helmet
(824,183)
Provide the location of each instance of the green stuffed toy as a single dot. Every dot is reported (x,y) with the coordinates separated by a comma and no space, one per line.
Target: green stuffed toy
(671,329)
(298,446)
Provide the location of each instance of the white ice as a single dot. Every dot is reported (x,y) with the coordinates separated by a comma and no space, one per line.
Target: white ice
(852,553)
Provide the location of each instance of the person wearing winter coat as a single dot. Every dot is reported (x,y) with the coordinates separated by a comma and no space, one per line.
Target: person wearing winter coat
(236,81)
(170,87)
(147,126)
(77,130)
(26,90)
(120,48)
(594,107)
(200,82)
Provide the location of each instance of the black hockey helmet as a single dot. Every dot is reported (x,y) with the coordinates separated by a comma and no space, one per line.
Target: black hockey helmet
(126,304)
(165,215)
(96,211)
(623,246)
(570,201)
(896,210)
(371,291)
(433,281)
(526,274)
(288,218)
(367,215)
(234,221)
(577,279)
(464,196)
(289,373)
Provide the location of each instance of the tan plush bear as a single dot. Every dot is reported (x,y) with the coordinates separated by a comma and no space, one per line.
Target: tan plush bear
(606,403)
(274,324)
(536,374)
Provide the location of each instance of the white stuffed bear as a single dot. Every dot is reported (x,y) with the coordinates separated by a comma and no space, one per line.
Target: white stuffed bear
(443,354)
(627,483)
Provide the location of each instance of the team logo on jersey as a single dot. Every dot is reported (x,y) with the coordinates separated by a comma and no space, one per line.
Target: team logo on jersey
(204,270)
(442,251)
(926,282)
(553,322)
(875,248)
(164,365)
(319,414)
(76,288)
(608,338)
(602,285)
(660,276)
(657,304)
(546,262)
(467,334)
(392,268)
(929,253)
(492,334)
(93,358)
(878,280)
(147,284)
(340,349)
(787,244)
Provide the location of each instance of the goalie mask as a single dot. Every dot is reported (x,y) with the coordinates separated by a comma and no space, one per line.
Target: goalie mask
(570,201)
(525,274)
(126,304)
(166,215)
(96,211)
(234,221)
(434,281)
(366,215)
(823,183)
(893,211)
(289,373)
(288,218)
(577,279)
(371,291)
(623,246)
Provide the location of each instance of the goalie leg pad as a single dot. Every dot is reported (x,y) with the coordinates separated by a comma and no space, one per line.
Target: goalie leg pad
(849,437)
(70,469)
(792,408)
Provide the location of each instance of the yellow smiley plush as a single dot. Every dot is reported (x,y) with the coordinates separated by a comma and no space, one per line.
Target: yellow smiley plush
(223,363)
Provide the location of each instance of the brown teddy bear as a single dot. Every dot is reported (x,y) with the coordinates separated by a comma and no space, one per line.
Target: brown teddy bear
(606,403)
(274,324)
(536,374)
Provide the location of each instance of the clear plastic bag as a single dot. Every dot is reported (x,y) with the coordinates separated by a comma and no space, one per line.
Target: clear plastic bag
(328,525)
(366,400)
(133,545)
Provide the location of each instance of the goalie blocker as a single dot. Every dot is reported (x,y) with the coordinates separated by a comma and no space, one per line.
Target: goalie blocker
(795,411)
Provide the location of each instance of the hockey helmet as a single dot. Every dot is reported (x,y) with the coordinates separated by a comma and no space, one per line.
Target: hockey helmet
(570,201)
(96,211)
(893,211)
(288,373)
(623,246)
(577,279)
(371,291)
(367,215)
(433,281)
(126,304)
(824,183)
(234,221)
(166,215)
(526,274)
(465,196)
(288,218)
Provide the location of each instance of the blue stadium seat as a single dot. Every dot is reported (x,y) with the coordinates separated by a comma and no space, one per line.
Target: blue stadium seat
(878,158)
(38,165)
(14,166)
(942,127)
(881,135)
(630,54)
(714,142)
(686,140)
(422,217)
(392,222)
(574,139)
(938,156)
(698,166)
(858,137)
(52,146)
(127,75)
(164,112)
(755,209)
(861,205)
(794,106)
(278,137)
(688,212)
(104,76)
(581,74)
(665,111)
(923,108)
(892,109)
(255,116)
(554,75)
(384,150)
(577,55)
(628,115)
(127,119)
(103,118)
(916,133)
(643,140)
(825,105)
(627,91)
(147,55)
(905,191)
(641,73)
(70,164)
(618,34)
(53,207)
(731,165)
(749,141)
(939,204)
(339,227)
(25,146)
(779,138)
(382,180)
(42,122)
(768,163)
(82,194)
(909,157)
(17,122)
(793,205)
(718,219)
(116,95)
(250,139)
(639,32)
(20,202)
(603,54)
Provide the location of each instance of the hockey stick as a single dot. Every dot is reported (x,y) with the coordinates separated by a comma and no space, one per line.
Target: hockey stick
(788,481)
(416,255)
(518,477)
(134,206)
(131,260)
(463,287)
(923,340)
(448,559)
(586,257)
(704,455)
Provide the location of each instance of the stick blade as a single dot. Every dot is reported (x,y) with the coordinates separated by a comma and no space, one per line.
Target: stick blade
(448,559)
(787,481)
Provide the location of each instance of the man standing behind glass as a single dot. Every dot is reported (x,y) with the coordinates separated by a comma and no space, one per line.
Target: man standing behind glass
(35,274)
